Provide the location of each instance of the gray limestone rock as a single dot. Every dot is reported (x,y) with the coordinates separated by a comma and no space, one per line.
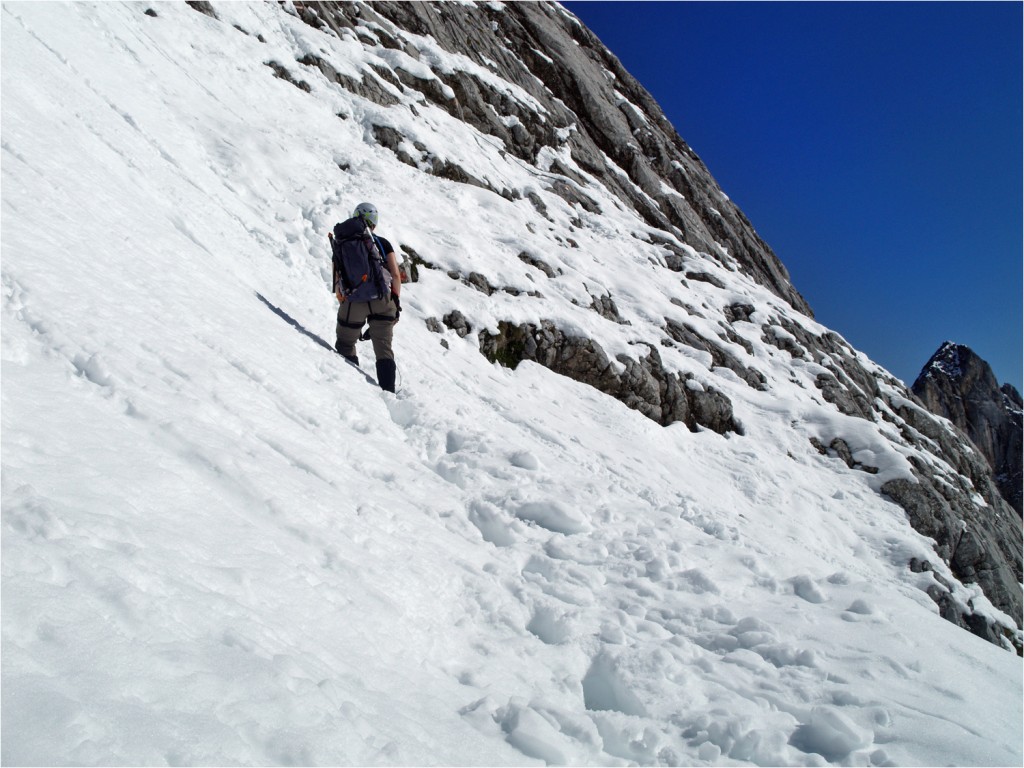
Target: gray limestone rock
(960,386)
(643,385)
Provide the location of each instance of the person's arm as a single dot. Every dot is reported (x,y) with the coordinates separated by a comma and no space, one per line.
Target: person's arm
(396,276)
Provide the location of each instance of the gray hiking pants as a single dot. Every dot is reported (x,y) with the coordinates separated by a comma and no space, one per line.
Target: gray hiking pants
(380,313)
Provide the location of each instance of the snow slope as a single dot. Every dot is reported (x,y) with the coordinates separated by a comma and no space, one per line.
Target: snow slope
(221,545)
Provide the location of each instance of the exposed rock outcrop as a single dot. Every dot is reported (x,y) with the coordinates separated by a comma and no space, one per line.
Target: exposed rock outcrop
(643,385)
(960,386)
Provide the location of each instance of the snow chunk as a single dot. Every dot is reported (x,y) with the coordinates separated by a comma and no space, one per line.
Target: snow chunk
(830,733)
(605,689)
(553,515)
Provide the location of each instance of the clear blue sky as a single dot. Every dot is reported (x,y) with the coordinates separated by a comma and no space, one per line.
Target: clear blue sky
(876,146)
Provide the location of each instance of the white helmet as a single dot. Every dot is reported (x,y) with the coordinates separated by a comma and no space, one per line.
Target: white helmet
(367,212)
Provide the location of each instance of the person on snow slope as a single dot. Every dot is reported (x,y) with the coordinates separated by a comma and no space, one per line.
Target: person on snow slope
(381,312)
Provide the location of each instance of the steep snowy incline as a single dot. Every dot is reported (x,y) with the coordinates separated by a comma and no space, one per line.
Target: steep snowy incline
(222,545)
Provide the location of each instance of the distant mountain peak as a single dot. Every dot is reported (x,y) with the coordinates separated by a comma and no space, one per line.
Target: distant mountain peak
(958,384)
(952,360)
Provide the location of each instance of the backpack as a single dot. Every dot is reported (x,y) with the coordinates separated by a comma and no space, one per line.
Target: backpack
(359,271)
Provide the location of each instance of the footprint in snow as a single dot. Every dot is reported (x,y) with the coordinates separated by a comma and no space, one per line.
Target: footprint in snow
(403,412)
(494,526)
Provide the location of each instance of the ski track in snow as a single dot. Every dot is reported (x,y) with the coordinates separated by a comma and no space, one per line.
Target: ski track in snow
(222,546)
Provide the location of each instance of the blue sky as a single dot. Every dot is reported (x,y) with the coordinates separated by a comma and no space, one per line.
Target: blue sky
(876,146)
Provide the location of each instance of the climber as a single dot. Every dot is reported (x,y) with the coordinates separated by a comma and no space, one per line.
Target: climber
(379,306)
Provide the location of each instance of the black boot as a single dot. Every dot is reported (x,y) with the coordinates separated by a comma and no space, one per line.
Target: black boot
(386,374)
(350,358)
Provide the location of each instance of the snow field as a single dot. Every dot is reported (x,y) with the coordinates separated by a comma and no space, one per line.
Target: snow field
(221,545)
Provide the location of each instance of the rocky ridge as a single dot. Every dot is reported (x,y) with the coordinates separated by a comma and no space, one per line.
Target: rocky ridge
(958,385)
(725,326)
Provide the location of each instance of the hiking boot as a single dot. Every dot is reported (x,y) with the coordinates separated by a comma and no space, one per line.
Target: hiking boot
(350,358)
(386,370)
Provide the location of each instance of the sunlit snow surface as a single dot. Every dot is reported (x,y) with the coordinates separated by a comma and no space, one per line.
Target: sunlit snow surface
(222,545)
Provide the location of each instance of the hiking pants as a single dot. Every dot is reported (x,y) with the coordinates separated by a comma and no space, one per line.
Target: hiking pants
(380,313)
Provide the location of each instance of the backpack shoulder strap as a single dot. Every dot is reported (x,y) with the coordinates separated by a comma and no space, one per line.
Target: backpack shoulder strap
(380,248)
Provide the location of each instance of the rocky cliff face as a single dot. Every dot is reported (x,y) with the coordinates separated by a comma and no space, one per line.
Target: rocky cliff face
(585,108)
(960,386)
(544,97)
